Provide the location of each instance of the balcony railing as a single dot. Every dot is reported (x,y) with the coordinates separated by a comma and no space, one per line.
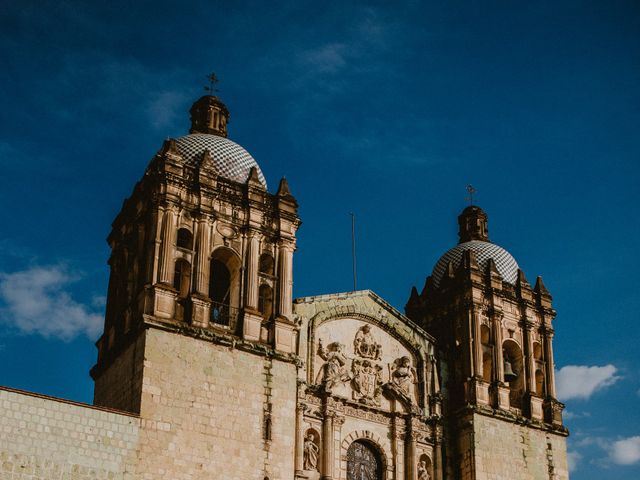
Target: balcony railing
(223,314)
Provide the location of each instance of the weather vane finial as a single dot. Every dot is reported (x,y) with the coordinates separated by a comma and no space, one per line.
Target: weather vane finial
(213,81)
(471,191)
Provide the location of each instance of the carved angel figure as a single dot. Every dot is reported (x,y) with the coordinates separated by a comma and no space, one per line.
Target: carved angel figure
(310,453)
(404,375)
(365,345)
(333,370)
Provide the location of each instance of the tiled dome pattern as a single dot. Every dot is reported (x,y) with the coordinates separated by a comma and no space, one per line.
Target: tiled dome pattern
(231,160)
(505,263)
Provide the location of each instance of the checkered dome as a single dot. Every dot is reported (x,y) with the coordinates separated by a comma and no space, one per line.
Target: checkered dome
(505,263)
(231,160)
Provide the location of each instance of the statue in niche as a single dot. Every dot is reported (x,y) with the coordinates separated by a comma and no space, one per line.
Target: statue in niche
(310,453)
(403,374)
(423,471)
(334,371)
(366,383)
(365,345)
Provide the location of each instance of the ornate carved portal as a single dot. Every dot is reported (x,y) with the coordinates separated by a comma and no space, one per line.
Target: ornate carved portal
(363,462)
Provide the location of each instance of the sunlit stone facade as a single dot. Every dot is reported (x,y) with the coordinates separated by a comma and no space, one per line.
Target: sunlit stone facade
(208,368)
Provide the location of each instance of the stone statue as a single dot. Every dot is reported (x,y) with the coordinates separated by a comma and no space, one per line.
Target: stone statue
(404,375)
(334,368)
(365,345)
(423,472)
(310,454)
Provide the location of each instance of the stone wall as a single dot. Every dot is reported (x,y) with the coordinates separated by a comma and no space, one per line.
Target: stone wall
(43,438)
(119,385)
(205,408)
(499,450)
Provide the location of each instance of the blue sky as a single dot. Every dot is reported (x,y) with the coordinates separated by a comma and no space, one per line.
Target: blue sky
(386,109)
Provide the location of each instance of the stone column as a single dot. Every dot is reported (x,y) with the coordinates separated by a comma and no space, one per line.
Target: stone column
(286,280)
(157,246)
(477,343)
(528,359)
(168,236)
(497,348)
(252,271)
(299,454)
(410,469)
(202,258)
(550,376)
(327,446)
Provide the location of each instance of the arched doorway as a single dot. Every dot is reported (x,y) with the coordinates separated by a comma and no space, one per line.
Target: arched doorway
(363,462)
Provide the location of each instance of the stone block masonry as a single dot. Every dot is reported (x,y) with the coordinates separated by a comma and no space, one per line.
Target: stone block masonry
(44,438)
(211,411)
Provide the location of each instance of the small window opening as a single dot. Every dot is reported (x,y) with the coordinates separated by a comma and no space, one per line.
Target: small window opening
(266,264)
(185,239)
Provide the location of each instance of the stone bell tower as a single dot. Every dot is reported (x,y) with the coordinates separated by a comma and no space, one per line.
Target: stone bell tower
(494,333)
(199,312)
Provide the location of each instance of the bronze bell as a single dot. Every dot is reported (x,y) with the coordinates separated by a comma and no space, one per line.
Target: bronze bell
(509,374)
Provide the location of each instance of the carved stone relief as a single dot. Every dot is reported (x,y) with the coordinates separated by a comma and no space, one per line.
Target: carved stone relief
(311,451)
(423,471)
(365,346)
(334,371)
(366,382)
(403,375)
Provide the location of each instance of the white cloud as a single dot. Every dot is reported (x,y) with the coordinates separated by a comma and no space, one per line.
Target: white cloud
(625,451)
(573,459)
(326,59)
(581,381)
(570,415)
(34,301)
(166,108)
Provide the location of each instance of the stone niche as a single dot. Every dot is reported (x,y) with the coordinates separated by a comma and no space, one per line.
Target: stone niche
(354,358)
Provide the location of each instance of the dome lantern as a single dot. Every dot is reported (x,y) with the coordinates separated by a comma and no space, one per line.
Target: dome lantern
(209,115)
(473,223)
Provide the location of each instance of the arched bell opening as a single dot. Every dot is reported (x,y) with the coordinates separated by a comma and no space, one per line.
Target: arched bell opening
(265,301)
(487,354)
(224,287)
(364,461)
(513,371)
(182,284)
(539,369)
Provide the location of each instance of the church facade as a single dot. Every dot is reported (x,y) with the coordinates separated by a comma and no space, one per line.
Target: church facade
(209,369)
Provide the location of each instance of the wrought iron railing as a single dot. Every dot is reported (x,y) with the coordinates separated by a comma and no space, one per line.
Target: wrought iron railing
(223,314)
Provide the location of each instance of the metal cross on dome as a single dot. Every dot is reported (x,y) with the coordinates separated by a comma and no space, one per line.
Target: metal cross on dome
(471,191)
(213,81)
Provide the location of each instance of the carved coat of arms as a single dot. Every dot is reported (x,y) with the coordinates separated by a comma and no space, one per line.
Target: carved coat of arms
(367,381)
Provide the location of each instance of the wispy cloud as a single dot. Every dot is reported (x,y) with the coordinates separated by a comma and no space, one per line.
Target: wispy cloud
(326,59)
(570,415)
(581,381)
(35,301)
(573,458)
(166,108)
(625,451)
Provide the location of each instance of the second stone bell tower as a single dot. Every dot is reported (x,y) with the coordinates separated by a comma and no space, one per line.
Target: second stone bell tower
(494,332)
(199,322)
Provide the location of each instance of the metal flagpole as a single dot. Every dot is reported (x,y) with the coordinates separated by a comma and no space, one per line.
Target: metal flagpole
(353,247)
